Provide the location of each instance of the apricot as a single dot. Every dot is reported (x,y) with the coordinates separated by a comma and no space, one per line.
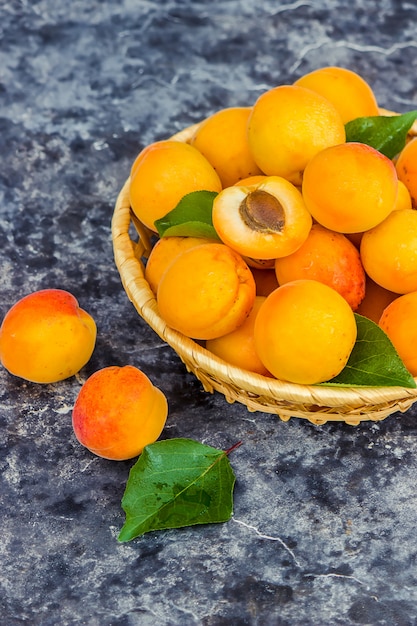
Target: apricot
(207,291)
(304,332)
(375,301)
(46,337)
(346,90)
(162,174)
(350,188)
(398,321)
(222,138)
(163,252)
(406,166)
(389,252)
(238,347)
(403,197)
(288,125)
(330,258)
(118,411)
(266,221)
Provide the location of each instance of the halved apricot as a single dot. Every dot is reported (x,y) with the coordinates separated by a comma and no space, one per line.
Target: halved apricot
(266,221)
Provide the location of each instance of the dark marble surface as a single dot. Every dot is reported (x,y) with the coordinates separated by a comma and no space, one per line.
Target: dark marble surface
(324,526)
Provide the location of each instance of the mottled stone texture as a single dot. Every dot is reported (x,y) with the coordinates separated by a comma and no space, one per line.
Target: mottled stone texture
(324,527)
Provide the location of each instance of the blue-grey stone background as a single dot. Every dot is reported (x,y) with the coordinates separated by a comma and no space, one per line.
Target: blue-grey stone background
(324,525)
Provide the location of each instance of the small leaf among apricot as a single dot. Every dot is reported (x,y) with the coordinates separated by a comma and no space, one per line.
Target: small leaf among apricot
(373,362)
(190,218)
(386,133)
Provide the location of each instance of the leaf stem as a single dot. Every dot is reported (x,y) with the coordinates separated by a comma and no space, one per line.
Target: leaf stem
(233,448)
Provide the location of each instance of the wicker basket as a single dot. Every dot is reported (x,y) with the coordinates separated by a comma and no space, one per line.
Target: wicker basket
(318,404)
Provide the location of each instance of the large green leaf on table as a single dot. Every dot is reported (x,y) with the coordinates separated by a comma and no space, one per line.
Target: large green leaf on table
(374,362)
(190,218)
(386,133)
(175,483)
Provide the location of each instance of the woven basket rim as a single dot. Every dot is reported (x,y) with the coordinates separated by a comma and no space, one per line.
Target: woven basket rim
(350,404)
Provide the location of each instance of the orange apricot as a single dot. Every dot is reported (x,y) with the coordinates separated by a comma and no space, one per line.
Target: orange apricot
(406,166)
(163,252)
(266,221)
(330,258)
(350,188)
(375,301)
(206,291)
(398,321)
(345,89)
(389,252)
(222,138)
(288,125)
(118,411)
(46,337)
(403,197)
(163,173)
(238,347)
(304,332)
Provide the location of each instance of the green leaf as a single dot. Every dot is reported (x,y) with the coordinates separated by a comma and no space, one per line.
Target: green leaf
(175,483)
(373,362)
(190,218)
(386,133)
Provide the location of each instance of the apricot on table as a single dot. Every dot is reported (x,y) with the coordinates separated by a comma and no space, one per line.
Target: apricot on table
(350,188)
(389,252)
(222,138)
(46,337)
(238,347)
(351,95)
(206,291)
(330,258)
(398,320)
(304,332)
(162,174)
(163,252)
(265,221)
(288,125)
(118,411)
(406,166)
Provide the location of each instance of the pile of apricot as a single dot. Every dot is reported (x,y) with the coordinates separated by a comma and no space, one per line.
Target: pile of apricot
(309,228)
